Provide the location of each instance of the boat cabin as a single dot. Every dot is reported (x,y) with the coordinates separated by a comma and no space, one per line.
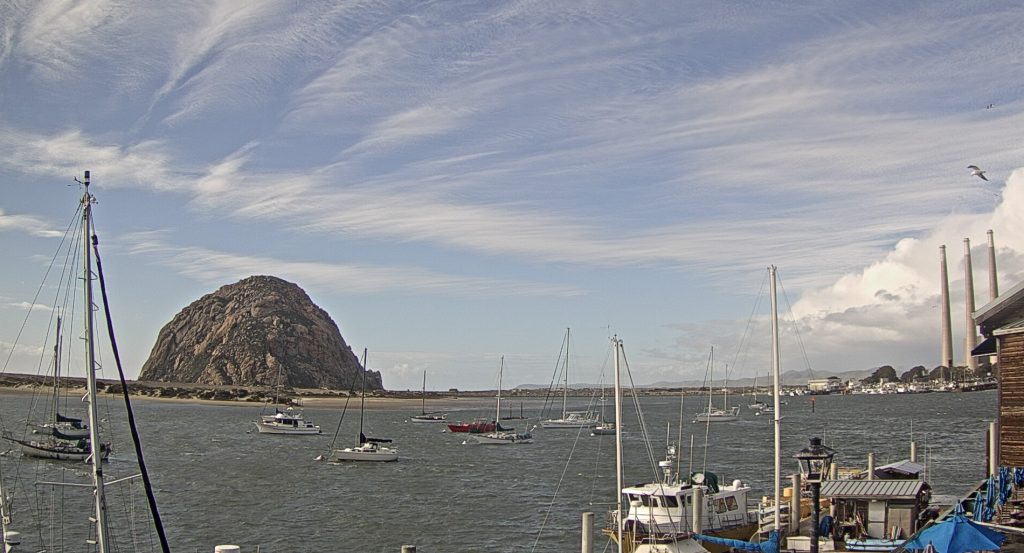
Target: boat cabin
(877,509)
(657,507)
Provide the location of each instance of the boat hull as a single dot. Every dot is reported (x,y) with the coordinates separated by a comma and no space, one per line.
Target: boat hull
(427,419)
(42,450)
(502,438)
(270,428)
(380,454)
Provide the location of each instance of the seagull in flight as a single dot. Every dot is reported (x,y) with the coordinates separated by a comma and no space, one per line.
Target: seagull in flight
(977,172)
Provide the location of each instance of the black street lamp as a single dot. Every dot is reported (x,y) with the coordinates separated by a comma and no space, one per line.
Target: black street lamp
(815,466)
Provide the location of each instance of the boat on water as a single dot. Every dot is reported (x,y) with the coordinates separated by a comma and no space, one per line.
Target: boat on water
(479,426)
(289,422)
(717,414)
(424,416)
(502,437)
(365,449)
(658,517)
(604,429)
(569,419)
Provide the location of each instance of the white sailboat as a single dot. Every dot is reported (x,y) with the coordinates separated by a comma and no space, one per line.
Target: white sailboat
(366,449)
(502,437)
(718,414)
(424,416)
(570,419)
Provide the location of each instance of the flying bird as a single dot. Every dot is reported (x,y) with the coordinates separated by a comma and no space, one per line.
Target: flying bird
(977,172)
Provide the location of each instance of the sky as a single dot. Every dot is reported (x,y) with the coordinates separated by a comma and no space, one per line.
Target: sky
(454,182)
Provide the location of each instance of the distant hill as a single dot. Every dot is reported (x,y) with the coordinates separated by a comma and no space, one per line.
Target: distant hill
(248,333)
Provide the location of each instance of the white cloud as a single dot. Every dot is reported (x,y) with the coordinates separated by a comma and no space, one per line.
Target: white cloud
(27,224)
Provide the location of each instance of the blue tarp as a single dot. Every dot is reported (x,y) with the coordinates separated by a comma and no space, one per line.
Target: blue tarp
(957,534)
(771,545)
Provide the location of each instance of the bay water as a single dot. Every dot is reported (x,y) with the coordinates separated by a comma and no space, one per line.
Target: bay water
(218,481)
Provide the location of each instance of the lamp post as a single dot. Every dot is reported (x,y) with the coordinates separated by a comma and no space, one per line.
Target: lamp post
(815,465)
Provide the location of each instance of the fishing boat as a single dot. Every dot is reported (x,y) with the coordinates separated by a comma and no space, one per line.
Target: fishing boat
(424,416)
(289,422)
(569,419)
(366,449)
(99,530)
(659,517)
(502,437)
(717,414)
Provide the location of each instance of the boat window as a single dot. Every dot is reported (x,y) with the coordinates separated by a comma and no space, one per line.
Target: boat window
(689,500)
(670,501)
(730,502)
(645,500)
(720,506)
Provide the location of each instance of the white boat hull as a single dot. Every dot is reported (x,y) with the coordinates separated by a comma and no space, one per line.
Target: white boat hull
(365,453)
(270,428)
(42,450)
(428,419)
(502,438)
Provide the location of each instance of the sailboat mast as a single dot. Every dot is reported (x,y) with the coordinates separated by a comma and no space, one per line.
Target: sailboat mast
(423,398)
(362,402)
(90,375)
(777,402)
(565,389)
(497,409)
(617,344)
(56,372)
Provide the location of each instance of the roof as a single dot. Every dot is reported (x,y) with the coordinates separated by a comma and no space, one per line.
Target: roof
(873,489)
(1012,328)
(1000,311)
(909,468)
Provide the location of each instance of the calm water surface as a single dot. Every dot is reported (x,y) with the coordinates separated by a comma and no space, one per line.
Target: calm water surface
(217,481)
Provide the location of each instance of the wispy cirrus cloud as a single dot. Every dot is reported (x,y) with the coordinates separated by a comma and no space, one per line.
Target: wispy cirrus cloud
(212,266)
(27,224)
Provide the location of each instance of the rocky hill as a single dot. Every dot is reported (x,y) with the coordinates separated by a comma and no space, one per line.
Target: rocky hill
(252,333)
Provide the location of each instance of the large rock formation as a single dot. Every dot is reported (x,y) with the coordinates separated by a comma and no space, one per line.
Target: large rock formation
(253,333)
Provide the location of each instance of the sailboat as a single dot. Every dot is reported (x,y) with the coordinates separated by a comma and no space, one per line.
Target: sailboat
(366,449)
(502,437)
(101,537)
(59,425)
(716,414)
(424,416)
(569,419)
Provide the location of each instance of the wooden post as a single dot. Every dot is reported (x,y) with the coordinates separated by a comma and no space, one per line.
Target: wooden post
(698,509)
(871,466)
(587,545)
(408,549)
(993,449)
(794,507)
(913,452)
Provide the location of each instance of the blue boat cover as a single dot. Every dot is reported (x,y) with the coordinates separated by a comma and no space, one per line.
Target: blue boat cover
(771,545)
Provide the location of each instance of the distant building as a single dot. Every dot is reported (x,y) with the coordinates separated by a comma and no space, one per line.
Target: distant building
(832,384)
(1001,322)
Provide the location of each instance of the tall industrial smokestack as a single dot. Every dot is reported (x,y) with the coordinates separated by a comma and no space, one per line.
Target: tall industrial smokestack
(993,282)
(970,332)
(947,331)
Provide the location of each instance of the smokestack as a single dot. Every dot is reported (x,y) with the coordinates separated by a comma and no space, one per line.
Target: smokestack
(947,331)
(993,282)
(970,333)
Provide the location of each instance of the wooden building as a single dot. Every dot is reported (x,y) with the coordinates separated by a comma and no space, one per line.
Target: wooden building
(1001,323)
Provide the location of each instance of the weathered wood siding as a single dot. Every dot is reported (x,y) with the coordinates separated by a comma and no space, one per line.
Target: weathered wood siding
(1011,400)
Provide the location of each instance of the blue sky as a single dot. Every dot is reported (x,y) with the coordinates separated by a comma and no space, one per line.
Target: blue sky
(456,181)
